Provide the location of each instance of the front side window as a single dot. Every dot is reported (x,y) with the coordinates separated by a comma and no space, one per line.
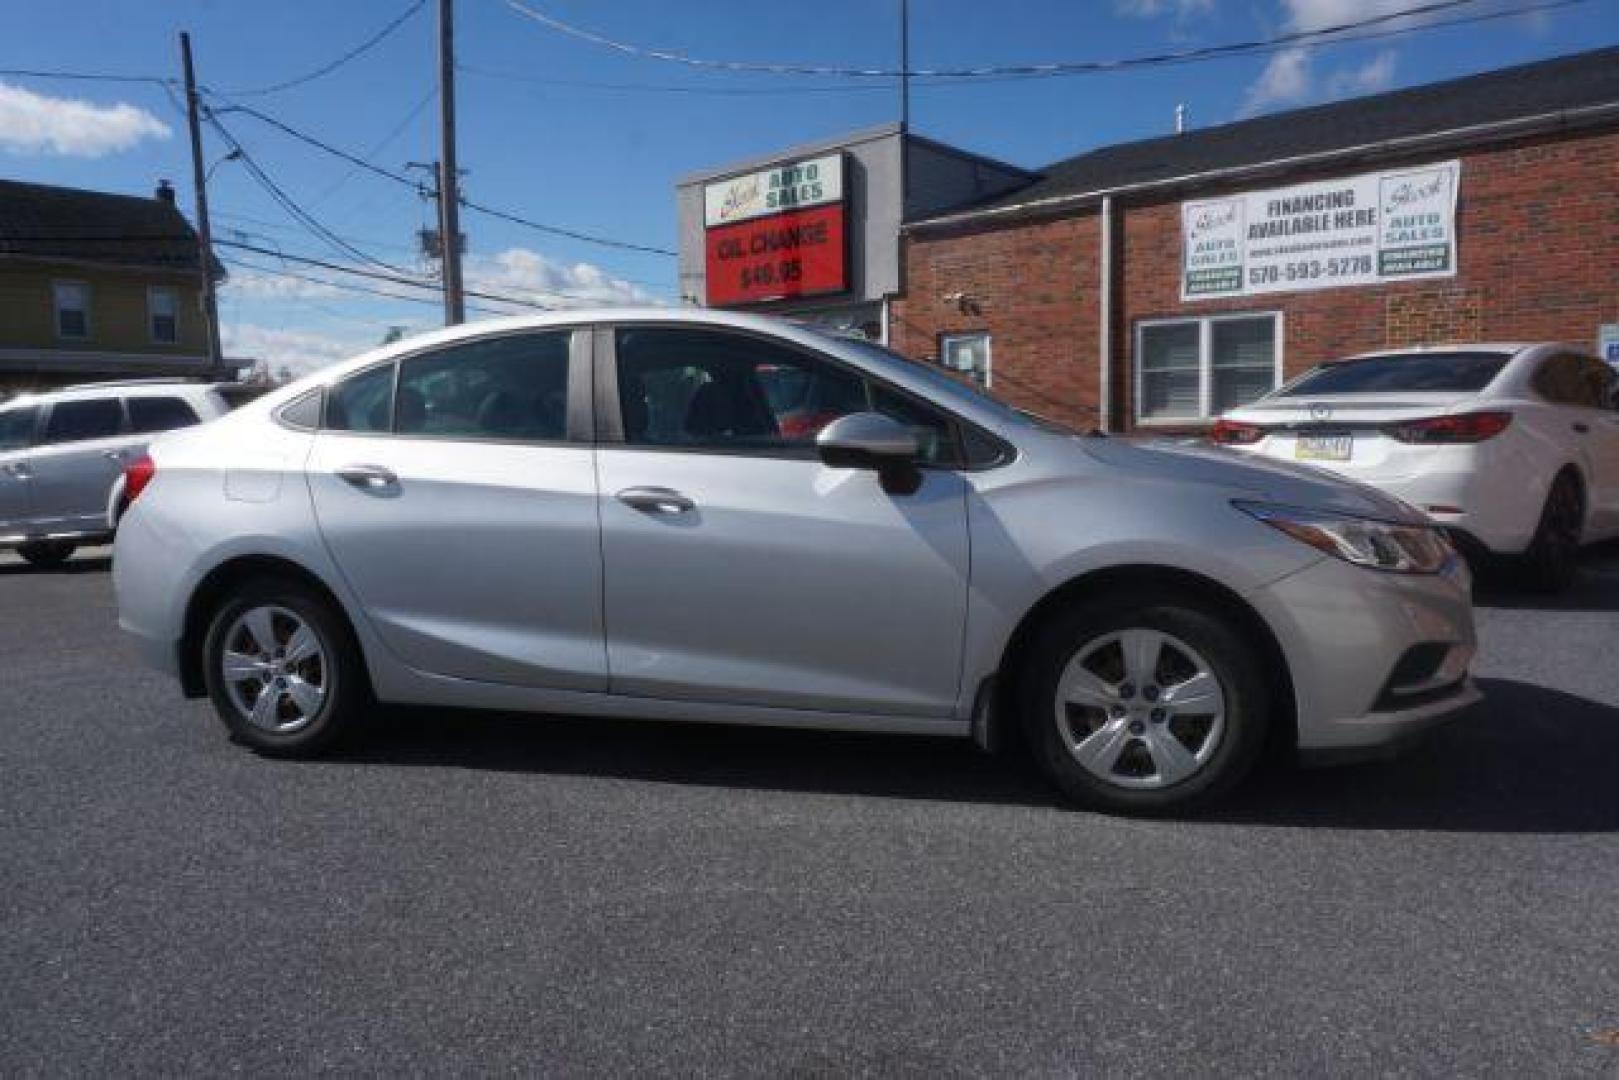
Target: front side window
(502,388)
(72,299)
(80,421)
(1191,370)
(968,354)
(704,389)
(148,415)
(163,315)
(16,428)
(362,402)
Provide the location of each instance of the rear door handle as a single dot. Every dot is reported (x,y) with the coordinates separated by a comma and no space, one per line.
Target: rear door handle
(19,469)
(656,500)
(368,477)
(1582,428)
(113,455)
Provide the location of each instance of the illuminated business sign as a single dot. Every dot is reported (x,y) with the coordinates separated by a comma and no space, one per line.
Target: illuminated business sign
(797,185)
(800,253)
(1363,230)
(777,233)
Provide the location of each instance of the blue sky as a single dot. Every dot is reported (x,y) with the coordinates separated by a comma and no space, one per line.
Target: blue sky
(569,133)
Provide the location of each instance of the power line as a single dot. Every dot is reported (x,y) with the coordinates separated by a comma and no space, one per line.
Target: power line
(399,178)
(557,230)
(987,71)
(347,286)
(669,88)
(408,282)
(82,76)
(382,143)
(326,69)
(298,213)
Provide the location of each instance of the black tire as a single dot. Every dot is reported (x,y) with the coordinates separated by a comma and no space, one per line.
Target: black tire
(47,554)
(1231,658)
(1552,559)
(341,671)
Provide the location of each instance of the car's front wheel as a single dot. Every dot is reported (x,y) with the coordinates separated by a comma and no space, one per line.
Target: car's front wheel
(47,554)
(283,669)
(1144,705)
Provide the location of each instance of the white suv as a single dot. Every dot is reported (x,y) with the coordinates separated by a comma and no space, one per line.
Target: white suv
(63,452)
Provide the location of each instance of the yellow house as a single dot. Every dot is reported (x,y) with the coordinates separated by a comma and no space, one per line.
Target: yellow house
(95,286)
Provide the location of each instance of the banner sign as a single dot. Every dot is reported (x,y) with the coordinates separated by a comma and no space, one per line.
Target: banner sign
(1363,230)
(794,186)
(801,253)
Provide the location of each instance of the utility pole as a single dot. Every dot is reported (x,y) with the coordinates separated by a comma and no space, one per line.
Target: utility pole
(199,179)
(449,196)
(904,66)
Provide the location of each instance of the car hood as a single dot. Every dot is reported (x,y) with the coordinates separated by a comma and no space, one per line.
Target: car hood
(1244,477)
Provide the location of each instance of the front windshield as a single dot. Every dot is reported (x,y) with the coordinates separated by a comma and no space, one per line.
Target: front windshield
(948,388)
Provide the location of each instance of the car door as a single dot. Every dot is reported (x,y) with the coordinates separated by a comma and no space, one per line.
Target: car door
(16,438)
(82,450)
(456,491)
(737,567)
(1599,419)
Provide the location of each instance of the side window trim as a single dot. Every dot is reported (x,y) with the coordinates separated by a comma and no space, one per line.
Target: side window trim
(609,425)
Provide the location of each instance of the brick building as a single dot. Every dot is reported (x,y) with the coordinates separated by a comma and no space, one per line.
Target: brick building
(1156,283)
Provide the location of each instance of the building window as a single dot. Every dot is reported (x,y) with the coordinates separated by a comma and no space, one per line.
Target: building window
(72,309)
(1191,370)
(968,354)
(163,315)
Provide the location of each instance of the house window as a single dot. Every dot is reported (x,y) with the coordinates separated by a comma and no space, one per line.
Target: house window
(1191,370)
(72,309)
(163,315)
(968,354)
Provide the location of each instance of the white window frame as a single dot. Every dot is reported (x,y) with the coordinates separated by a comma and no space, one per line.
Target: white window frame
(989,352)
(57,308)
(1205,363)
(151,314)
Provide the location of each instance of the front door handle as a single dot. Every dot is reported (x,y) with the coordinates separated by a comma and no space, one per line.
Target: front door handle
(656,500)
(372,478)
(1582,428)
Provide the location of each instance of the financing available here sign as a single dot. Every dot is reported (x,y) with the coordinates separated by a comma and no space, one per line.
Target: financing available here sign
(1362,230)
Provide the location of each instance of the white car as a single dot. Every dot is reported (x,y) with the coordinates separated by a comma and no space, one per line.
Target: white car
(63,455)
(1513,448)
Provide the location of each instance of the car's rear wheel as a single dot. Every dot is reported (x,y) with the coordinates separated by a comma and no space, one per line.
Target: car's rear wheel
(47,554)
(1550,563)
(1144,706)
(283,669)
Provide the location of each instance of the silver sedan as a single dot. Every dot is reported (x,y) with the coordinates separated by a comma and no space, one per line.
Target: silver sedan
(689,515)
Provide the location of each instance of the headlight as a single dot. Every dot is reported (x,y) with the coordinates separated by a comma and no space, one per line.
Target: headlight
(1380,545)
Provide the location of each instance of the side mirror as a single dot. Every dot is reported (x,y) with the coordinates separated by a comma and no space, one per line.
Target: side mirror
(868,440)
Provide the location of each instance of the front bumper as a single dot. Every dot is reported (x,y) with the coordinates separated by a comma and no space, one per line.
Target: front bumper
(1345,631)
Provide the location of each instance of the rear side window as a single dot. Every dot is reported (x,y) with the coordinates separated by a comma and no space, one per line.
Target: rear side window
(362,402)
(17,428)
(1573,380)
(152,414)
(504,388)
(79,421)
(1410,373)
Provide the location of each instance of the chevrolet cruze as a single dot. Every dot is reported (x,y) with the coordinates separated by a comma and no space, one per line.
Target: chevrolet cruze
(605,514)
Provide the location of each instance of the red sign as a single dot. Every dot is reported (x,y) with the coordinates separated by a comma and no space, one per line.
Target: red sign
(800,253)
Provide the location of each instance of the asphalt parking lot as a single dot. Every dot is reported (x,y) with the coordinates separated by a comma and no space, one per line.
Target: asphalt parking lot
(478,893)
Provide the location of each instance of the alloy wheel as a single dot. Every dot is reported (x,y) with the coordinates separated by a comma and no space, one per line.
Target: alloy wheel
(275,669)
(1140,709)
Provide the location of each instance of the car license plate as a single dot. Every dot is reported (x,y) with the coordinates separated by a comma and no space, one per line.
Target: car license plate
(1324,447)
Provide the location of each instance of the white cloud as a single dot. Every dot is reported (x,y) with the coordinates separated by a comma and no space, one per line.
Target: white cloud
(531,275)
(1152,9)
(261,285)
(300,350)
(32,123)
(1374,75)
(1286,80)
